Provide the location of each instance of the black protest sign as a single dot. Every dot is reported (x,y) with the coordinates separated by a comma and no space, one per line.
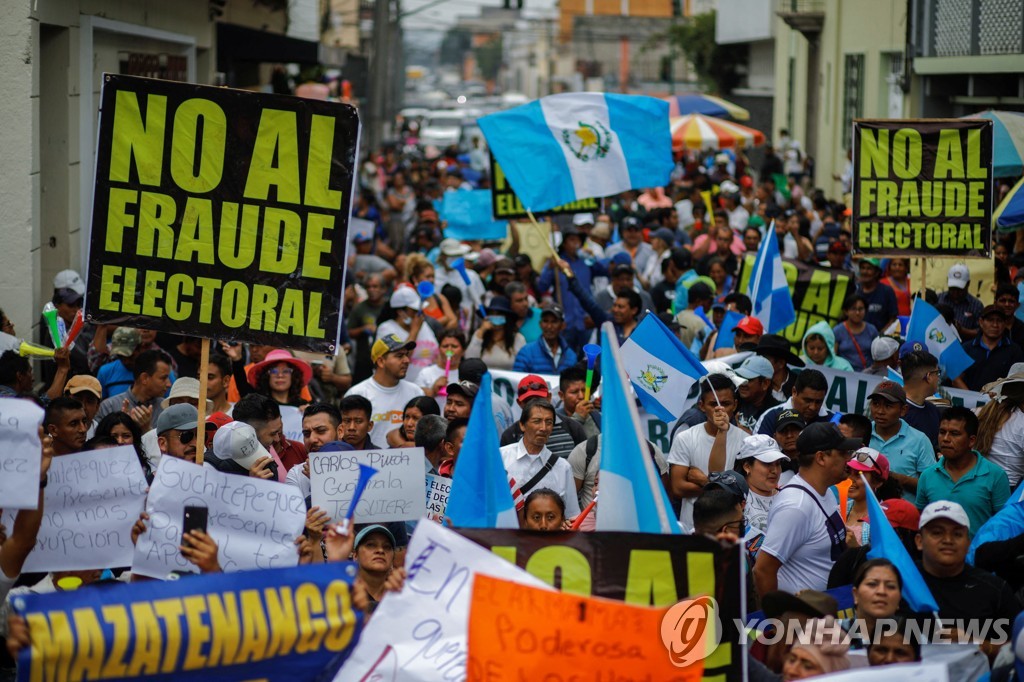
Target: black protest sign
(645,569)
(922,187)
(221,213)
(505,205)
(818,293)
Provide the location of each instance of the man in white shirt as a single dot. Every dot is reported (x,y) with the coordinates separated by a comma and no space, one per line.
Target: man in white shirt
(805,532)
(705,448)
(530,458)
(387,389)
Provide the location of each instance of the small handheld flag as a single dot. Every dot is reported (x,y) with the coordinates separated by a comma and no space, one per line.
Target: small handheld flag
(768,289)
(928,326)
(661,369)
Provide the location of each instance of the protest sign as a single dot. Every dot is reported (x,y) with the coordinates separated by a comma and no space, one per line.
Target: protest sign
(438,489)
(221,213)
(643,569)
(420,633)
(922,187)
(283,624)
(467,214)
(20,454)
(506,205)
(817,293)
(291,422)
(395,493)
(576,637)
(90,503)
(254,522)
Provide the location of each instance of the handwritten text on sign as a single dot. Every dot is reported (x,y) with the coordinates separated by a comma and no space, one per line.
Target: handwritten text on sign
(89,506)
(253,522)
(438,490)
(395,493)
(19,454)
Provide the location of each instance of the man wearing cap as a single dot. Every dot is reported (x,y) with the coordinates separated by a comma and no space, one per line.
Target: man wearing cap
(806,533)
(780,353)
(746,335)
(808,400)
(116,376)
(551,353)
(68,292)
(410,323)
(459,403)
(176,432)
(921,376)
(623,277)
(143,400)
(598,238)
(992,351)
(966,308)
(962,475)
(837,256)
(881,299)
(85,389)
(787,430)
(237,450)
(962,591)
(662,241)
(909,451)
(755,392)
(884,356)
(387,390)
(640,252)
(183,391)
(583,270)
(663,294)
(452,249)
(565,434)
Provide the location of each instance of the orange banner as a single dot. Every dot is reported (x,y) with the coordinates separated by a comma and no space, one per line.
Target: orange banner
(524,633)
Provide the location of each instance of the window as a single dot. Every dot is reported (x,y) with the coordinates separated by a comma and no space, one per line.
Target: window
(853,94)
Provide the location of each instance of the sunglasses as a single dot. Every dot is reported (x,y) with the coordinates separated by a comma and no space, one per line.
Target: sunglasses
(186,437)
(281,370)
(865,458)
(533,386)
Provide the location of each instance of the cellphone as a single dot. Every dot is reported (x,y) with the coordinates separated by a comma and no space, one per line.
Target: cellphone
(195,518)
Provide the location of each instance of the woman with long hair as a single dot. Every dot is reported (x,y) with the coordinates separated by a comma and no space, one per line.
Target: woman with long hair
(1001,429)
(419,269)
(877,591)
(415,409)
(853,335)
(122,429)
(497,341)
(281,377)
(875,467)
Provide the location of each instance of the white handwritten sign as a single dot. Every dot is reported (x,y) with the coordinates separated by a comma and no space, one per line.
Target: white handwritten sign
(291,423)
(254,522)
(20,453)
(420,634)
(395,493)
(90,503)
(438,489)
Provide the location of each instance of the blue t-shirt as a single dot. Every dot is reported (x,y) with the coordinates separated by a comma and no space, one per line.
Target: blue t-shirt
(846,349)
(882,306)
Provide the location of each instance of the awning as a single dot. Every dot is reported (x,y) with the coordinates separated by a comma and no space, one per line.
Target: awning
(242,44)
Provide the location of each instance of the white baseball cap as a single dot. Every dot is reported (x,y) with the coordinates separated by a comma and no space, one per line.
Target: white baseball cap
(944,509)
(959,276)
(406,297)
(762,448)
(583,219)
(237,441)
(883,348)
(69,279)
(453,247)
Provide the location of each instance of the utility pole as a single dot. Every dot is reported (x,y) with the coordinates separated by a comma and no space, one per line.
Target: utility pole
(379,74)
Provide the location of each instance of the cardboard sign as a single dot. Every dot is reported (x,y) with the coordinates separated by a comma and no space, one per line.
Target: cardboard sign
(20,454)
(395,493)
(420,633)
(91,501)
(438,490)
(277,625)
(506,205)
(291,422)
(221,213)
(254,522)
(585,637)
(922,187)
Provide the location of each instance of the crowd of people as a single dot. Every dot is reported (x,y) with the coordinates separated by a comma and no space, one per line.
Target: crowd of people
(758,460)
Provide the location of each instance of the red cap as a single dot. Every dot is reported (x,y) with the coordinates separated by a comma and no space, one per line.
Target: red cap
(750,325)
(746,181)
(532,386)
(214,422)
(901,514)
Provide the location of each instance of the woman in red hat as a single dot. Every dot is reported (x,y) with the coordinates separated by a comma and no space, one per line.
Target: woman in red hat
(281,377)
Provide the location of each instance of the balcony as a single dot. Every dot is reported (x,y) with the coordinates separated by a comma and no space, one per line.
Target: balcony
(969,28)
(805,16)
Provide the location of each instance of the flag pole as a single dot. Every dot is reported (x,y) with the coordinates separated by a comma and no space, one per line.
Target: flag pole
(204,365)
(924,277)
(545,237)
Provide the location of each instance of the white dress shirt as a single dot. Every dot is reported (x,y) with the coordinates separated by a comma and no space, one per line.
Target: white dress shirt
(523,466)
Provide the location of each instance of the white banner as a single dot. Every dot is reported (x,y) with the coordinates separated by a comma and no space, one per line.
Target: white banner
(254,522)
(438,490)
(291,423)
(394,493)
(20,453)
(91,501)
(420,634)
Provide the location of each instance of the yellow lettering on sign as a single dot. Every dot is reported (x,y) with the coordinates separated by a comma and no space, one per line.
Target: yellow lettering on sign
(133,138)
(205,175)
(318,165)
(277,137)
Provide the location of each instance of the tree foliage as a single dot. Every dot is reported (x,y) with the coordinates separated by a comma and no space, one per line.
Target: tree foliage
(715,64)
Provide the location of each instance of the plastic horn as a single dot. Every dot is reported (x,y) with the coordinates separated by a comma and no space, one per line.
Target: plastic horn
(425,289)
(459,264)
(50,315)
(26,349)
(365,474)
(584,514)
(592,350)
(62,331)
(447,373)
(76,327)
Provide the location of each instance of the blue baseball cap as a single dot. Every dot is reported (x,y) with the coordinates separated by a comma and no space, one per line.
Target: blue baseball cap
(911,347)
(754,367)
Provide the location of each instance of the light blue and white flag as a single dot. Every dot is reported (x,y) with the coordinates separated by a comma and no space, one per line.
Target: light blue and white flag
(928,327)
(629,480)
(481,496)
(726,336)
(894,375)
(768,289)
(563,148)
(660,367)
(468,216)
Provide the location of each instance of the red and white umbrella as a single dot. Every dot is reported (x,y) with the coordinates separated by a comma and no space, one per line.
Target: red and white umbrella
(705,133)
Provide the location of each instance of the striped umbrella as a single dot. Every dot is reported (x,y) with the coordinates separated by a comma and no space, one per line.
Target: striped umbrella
(1007,142)
(1009,215)
(703,133)
(709,105)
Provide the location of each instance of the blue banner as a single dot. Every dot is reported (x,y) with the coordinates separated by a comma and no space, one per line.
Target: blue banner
(468,213)
(275,624)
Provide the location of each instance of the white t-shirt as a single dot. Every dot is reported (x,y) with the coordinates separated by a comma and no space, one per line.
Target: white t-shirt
(692,448)
(425,353)
(388,403)
(523,466)
(1008,448)
(429,375)
(756,511)
(798,536)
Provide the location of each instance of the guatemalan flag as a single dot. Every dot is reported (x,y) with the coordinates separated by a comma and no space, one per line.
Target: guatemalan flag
(628,477)
(563,148)
(927,326)
(660,367)
(768,289)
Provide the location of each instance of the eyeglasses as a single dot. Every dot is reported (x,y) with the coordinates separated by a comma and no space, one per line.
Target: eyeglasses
(737,527)
(533,386)
(866,458)
(186,437)
(936,372)
(281,370)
